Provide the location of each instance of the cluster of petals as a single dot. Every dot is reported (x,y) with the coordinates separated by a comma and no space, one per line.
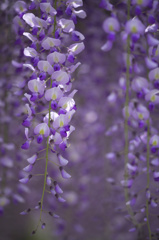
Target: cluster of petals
(49,101)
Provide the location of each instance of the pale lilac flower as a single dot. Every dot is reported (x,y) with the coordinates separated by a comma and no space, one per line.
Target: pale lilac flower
(127,183)
(154,141)
(25,179)
(56,57)
(64,173)
(75,3)
(27,65)
(57,139)
(18,23)
(28,168)
(156,176)
(152,96)
(53,94)
(46,7)
(139,83)
(38,22)
(155,162)
(151,28)
(76,48)
(135,26)
(61,121)
(57,188)
(60,76)
(152,41)
(150,63)
(30,36)
(142,3)
(45,66)
(80,13)
(63,161)
(107,46)
(20,7)
(74,67)
(32,159)
(111,25)
(140,113)
(34,21)
(30,52)
(70,114)
(50,42)
(66,103)
(153,203)
(53,116)
(67,25)
(132,168)
(154,74)
(36,86)
(29,18)
(60,199)
(42,129)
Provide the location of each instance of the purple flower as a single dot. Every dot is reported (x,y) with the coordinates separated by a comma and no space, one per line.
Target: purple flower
(45,66)
(76,48)
(154,74)
(56,57)
(36,86)
(60,76)
(111,25)
(42,129)
(62,160)
(53,94)
(46,7)
(49,43)
(64,173)
(67,25)
(135,26)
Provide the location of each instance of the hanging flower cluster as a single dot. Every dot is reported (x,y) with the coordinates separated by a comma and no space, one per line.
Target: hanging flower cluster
(11,191)
(49,101)
(139,84)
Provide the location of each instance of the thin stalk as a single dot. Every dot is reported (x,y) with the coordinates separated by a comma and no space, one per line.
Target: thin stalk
(148,177)
(47,145)
(126,129)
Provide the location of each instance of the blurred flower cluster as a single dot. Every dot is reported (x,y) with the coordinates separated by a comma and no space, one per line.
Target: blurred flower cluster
(79,135)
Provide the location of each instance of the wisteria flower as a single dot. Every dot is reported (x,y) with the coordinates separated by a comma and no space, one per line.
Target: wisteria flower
(111,25)
(152,96)
(36,86)
(45,66)
(67,25)
(43,130)
(46,7)
(60,76)
(53,94)
(56,57)
(154,74)
(50,42)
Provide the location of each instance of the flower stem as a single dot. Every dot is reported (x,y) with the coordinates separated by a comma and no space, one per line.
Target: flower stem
(148,177)
(126,132)
(47,145)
